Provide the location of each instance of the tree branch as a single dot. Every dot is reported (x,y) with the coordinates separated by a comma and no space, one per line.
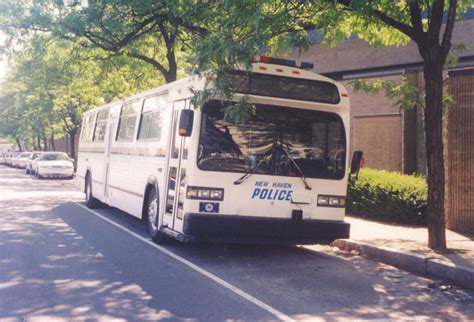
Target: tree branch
(415,15)
(407,30)
(411,32)
(150,61)
(448,31)
(436,20)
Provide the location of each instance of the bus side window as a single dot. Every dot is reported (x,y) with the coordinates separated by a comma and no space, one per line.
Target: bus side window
(151,118)
(88,128)
(100,125)
(127,121)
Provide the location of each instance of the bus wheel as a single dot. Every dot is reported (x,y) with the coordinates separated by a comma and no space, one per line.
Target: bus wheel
(91,202)
(152,217)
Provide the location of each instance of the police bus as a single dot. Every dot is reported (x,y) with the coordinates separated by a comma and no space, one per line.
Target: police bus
(278,177)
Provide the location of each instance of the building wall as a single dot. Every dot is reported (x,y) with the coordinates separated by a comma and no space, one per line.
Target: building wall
(376,129)
(393,139)
(356,54)
(459,151)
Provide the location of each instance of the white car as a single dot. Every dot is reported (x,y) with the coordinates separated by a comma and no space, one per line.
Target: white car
(23,158)
(15,159)
(30,162)
(54,164)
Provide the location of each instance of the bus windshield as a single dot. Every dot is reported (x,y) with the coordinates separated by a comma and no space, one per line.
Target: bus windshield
(275,141)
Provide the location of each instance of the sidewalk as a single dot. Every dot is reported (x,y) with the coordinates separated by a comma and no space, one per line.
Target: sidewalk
(412,239)
(406,248)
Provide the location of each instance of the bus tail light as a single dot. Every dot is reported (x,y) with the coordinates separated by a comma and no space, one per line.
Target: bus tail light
(331,201)
(204,193)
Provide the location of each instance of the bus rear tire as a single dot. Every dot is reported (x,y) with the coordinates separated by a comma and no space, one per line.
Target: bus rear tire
(153,224)
(91,202)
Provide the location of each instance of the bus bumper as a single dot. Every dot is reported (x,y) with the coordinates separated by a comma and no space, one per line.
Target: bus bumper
(246,229)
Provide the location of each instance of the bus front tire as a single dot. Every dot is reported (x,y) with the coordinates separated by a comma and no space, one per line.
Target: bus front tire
(152,217)
(91,202)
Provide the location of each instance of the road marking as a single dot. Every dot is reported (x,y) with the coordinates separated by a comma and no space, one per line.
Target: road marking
(281,316)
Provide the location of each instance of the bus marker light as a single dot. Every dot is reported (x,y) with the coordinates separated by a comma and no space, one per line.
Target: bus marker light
(344,95)
(280,70)
(323,201)
(215,194)
(331,201)
(204,193)
(191,193)
(282,62)
(263,68)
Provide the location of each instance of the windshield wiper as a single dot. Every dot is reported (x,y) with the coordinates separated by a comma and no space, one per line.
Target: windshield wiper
(267,158)
(251,171)
(303,178)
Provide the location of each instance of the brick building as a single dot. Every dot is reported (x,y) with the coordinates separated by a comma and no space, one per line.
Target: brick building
(394,140)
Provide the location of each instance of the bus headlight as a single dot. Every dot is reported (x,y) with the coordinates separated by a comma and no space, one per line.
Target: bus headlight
(204,193)
(331,201)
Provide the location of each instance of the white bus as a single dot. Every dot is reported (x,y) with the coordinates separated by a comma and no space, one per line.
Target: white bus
(279,177)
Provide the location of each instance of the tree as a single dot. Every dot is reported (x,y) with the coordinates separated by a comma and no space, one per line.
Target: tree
(10,120)
(429,24)
(54,82)
(433,39)
(150,31)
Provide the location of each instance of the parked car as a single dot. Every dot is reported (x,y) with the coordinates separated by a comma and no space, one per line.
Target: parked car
(54,164)
(8,158)
(31,161)
(15,159)
(3,158)
(22,159)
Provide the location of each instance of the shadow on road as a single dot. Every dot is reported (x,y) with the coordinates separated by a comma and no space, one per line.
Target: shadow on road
(57,259)
(297,282)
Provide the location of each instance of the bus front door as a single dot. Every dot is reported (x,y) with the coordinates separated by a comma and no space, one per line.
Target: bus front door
(176,183)
(107,159)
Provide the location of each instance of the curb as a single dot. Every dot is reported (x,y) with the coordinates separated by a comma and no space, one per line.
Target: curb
(458,274)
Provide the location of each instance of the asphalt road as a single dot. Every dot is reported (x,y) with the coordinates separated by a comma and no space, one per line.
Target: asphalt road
(60,261)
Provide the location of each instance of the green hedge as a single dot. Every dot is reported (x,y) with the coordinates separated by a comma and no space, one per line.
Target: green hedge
(388,196)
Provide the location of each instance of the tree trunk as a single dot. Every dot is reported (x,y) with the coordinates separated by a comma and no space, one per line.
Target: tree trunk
(433,74)
(51,139)
(45,142)
(72,143)
(38,143)
(172,73)
(18,143)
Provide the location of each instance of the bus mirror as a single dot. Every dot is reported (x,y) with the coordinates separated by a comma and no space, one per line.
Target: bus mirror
(186,122)
(357,159)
